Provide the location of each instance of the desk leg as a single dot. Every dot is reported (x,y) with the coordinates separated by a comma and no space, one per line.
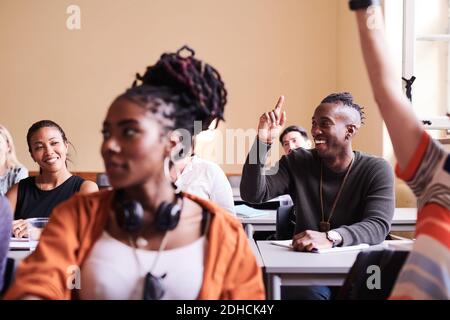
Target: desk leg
(249,230)
(274,287)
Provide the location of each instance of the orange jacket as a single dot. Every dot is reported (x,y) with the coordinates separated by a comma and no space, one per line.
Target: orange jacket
(230,270)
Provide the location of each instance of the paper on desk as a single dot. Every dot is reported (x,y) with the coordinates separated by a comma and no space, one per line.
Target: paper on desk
(288,244)
(283,243)
(22,243)
(248,212)
(405,244)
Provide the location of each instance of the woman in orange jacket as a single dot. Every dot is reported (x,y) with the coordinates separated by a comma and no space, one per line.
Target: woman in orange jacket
(141,240)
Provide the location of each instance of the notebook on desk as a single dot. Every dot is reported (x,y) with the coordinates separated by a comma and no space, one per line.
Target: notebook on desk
(288,244)
(245,211)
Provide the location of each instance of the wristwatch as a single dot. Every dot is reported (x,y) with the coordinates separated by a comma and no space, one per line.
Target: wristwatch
(362,4)
(334,237)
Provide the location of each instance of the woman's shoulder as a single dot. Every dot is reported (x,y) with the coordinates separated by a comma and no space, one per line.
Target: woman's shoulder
(28,181)
(91,202)
(82,185)
(20,170)
(88,186)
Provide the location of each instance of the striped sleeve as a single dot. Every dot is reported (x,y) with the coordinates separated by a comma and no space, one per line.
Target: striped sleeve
(426,273)
(427,173)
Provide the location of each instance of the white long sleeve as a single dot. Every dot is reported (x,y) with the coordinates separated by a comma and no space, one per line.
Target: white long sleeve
(206,179)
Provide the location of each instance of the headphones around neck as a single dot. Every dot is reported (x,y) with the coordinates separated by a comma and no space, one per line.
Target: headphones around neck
(130,213)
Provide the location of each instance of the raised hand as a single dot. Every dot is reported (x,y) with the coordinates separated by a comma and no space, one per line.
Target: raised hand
(271,123)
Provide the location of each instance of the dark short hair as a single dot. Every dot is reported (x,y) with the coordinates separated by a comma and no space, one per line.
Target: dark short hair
(44,124)
(346,99)
(292,129)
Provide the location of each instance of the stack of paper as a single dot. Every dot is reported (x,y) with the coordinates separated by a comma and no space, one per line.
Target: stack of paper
(288,244)
(248,212)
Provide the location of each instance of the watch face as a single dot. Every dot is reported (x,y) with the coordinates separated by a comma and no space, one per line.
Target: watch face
(332,236)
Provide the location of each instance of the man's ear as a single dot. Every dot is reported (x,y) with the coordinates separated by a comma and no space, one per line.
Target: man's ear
(351,130)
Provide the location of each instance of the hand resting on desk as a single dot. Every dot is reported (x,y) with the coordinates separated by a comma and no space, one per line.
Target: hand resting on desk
(20,228)
(310,240)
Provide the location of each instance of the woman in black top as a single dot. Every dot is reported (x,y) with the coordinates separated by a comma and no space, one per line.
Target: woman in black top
(37,196)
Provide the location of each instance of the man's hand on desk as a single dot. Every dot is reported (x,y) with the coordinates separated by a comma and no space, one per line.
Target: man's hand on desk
(309,240)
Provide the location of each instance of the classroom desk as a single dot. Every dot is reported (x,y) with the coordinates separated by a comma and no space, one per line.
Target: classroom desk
(18,255)
(286,267)
(262,223)
(404,220)
(255,250)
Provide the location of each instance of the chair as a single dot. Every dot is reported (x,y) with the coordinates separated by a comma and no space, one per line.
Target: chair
(356,285)
(9,275)
(285,224)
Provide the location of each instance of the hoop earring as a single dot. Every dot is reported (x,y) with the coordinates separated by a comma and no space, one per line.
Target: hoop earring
(166,166)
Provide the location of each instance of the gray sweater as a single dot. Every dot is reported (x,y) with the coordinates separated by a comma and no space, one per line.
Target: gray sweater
(365,208)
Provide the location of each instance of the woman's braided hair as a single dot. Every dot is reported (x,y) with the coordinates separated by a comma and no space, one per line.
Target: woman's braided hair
(194,89)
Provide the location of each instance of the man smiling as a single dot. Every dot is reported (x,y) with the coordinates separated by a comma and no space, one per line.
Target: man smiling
(342,197)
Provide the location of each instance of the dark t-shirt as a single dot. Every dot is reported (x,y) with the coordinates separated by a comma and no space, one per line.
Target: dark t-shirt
(33,202)
(365,208)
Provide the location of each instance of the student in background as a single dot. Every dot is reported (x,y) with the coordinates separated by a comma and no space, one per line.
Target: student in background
(294,137)
(142,240)
(291,138)
(11,170)
(203,178)
(5,234)
(421,162)
(37,196)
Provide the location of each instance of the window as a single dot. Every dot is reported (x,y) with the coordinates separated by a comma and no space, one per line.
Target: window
(426,56)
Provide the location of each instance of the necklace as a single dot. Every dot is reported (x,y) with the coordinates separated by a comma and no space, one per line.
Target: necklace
(324,226)
(153,289)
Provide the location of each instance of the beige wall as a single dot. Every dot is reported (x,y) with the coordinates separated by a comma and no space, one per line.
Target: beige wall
(303,49)
(352,76)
